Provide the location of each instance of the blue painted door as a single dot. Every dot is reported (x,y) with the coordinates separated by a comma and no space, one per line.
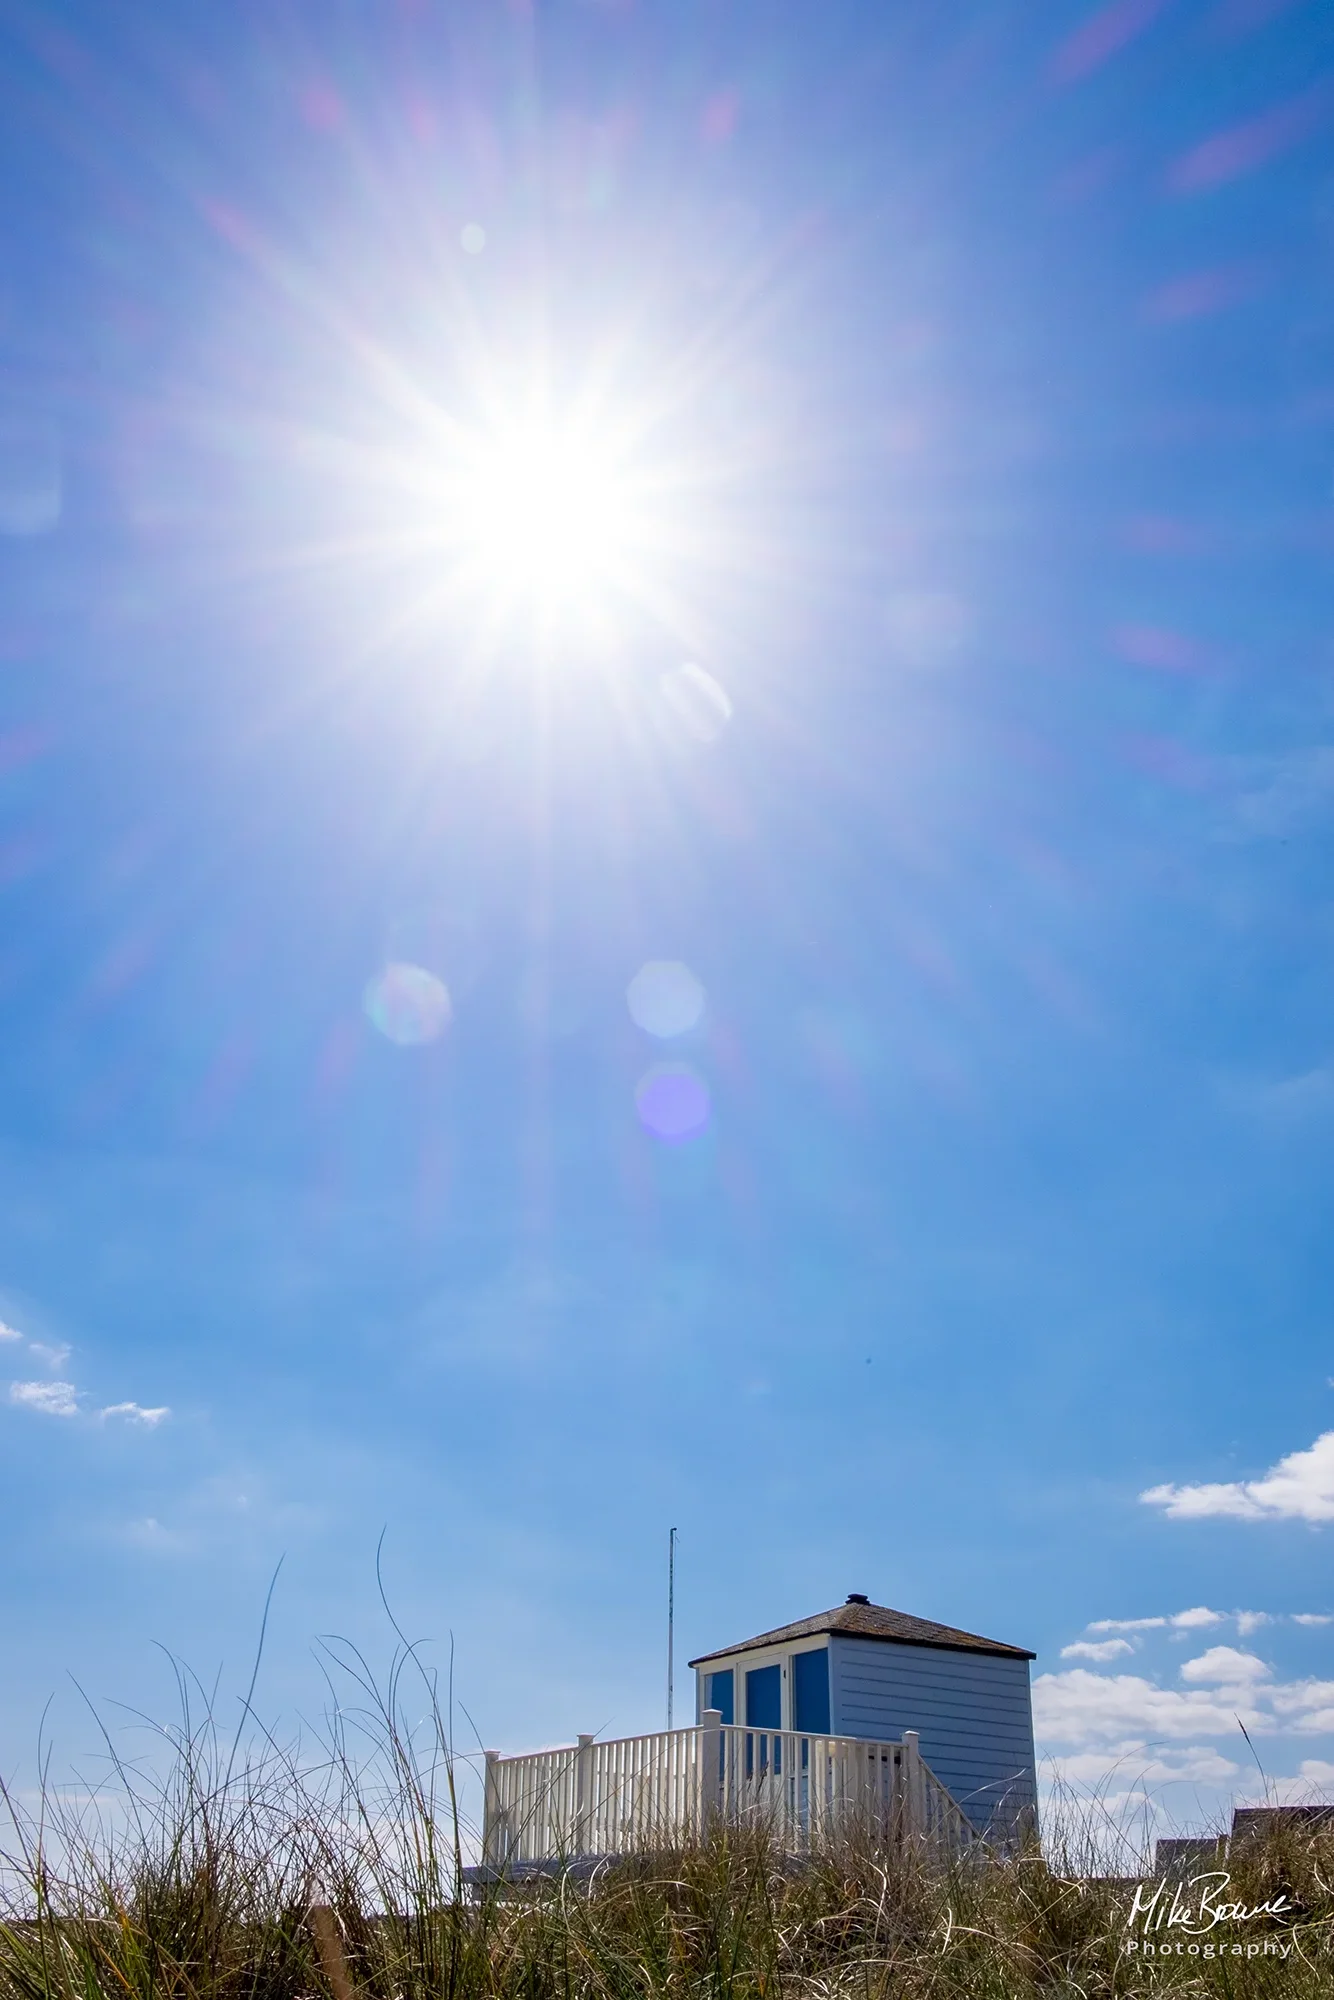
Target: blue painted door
(764,1710)
(764,1698)
(810,1692)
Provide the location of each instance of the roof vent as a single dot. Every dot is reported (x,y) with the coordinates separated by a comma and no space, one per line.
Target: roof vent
(858,1597)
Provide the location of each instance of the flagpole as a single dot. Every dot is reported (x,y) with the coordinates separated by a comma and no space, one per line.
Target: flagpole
(671,1620)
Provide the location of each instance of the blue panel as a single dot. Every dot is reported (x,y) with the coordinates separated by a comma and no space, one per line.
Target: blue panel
(764,1698)
(718,1694)
(810,1692)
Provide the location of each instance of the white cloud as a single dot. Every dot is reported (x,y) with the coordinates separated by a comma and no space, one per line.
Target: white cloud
(1193,1620)
(1313,1618)
(1080,1707)
(134,1413)
(1225,1666)
(1136,1763)
(1097,1649)
(1299,1488)
(1309,1704)
(1110,1712)
(9,1332)
(62,1399)
(1126,1625)
(1313,1785)
(1251,1621)
(50,1399)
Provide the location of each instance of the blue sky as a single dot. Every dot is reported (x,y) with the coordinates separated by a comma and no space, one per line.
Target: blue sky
(957,709)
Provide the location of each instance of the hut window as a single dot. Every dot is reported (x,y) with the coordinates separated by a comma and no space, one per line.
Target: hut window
(718,1694)
(810,1692)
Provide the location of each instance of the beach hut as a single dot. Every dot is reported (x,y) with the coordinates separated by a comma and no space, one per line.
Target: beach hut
(866,1671)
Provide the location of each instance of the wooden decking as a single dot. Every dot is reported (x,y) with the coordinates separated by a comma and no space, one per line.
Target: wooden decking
(600,1799)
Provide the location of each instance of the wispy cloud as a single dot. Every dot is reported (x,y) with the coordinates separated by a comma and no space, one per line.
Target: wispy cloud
(1272,797)
(239,1508)
(1299,1488)
(9,1332)
(1196,1619)
(1097,1649)
(51,1356)
(1307,1095)
(149,1533)
(135,1413)
(49,1399)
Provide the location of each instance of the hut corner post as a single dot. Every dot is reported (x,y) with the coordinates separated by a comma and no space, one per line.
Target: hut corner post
(710,1768)
(491,1857)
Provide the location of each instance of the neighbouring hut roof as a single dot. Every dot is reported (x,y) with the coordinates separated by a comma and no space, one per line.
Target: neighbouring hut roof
(860,1619)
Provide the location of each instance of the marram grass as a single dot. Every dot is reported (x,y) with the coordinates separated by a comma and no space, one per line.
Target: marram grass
(264,1875)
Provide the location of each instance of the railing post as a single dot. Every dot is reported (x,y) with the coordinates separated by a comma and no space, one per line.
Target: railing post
(583,1794)
(491,1811)
(710,1767)
(914,1792)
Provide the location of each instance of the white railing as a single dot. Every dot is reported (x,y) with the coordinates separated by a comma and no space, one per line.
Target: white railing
(642,1792)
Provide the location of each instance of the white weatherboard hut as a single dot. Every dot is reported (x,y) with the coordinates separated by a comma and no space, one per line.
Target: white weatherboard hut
(866,1672)
(861,1715)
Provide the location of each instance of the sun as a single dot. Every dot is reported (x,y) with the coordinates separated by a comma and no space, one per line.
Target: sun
(546,514)
(555,514)
(544,518)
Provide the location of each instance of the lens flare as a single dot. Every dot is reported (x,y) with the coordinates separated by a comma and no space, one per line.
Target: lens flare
(408,1004)
(698,706)
(673,1103)
(665,999)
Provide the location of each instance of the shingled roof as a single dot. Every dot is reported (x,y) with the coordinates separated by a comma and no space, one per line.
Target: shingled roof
(858,1619)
